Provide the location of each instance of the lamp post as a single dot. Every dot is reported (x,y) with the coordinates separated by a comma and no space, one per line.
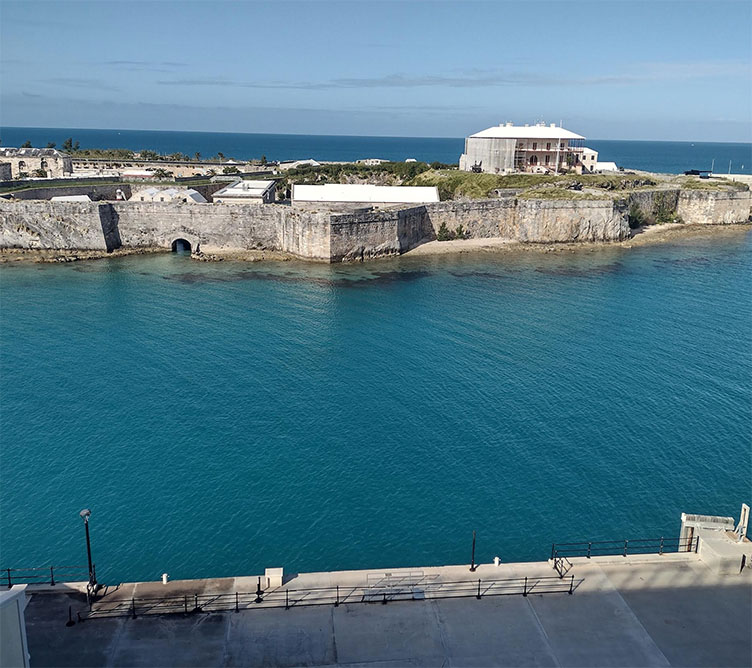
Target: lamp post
(85,514)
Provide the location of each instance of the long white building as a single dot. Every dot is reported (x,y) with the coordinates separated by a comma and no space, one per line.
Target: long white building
(363,194)
(523,148)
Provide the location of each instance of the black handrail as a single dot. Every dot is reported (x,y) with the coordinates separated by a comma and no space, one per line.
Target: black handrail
(624,547)
(335,596)
(43,575)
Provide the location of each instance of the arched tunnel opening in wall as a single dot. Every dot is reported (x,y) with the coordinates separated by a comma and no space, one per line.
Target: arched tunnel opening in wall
(181,247)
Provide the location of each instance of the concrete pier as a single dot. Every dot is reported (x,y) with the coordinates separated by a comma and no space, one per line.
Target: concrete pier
(642,610)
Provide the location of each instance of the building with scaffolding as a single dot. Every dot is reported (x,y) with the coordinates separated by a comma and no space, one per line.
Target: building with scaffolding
(538,148)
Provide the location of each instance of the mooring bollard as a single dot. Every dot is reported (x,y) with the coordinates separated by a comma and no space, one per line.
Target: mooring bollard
(70,621)
(478,594)
(133,608)
(524,589)
(259,592)
(336,602)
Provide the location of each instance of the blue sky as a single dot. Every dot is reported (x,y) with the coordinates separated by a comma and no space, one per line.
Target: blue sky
(609,69)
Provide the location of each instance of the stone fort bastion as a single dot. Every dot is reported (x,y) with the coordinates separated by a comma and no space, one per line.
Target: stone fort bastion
(326,236)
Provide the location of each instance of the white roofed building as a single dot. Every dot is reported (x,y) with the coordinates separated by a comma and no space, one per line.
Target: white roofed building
(523,148)
(247,192)
(188,195)
(355,194)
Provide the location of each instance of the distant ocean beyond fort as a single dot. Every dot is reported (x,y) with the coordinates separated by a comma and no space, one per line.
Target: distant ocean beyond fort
(666,157)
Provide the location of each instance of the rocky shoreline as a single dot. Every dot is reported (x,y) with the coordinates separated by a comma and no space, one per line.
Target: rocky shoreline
(649,235)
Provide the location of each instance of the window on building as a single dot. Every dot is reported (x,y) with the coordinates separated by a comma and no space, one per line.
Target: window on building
(548,146)
(548,159)
(535,146)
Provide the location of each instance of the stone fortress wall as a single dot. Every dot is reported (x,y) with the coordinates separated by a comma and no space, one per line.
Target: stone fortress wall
(335,237)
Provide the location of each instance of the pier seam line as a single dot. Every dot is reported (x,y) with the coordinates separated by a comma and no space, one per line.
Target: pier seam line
(543,631)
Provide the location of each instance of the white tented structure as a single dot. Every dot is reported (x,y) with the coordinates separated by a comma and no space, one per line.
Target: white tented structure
(363,194)
(510,148)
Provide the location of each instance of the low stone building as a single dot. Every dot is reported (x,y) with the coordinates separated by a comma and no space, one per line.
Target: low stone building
(27,162)
(247,192)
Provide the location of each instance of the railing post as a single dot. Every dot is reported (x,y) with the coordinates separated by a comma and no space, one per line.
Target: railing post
(524,589)
(70,621)
(336,602)
(383,602)
(195,603)
(10,581)
(553,549)
(287,599)
(626,542)
(589,549)
(660,549)
(697,544)
(478,594)
(571,586)
(258,598)
(185,603)
(133,607)
(52,576)
(237,609)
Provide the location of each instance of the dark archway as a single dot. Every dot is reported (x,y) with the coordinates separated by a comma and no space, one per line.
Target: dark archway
(181,246)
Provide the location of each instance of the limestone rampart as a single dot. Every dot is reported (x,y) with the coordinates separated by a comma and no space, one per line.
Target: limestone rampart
(704,207)
(97,192)
(330,237)
(533,220)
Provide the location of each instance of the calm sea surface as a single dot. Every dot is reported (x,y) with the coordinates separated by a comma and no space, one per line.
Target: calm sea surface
(221,418)
(667,157)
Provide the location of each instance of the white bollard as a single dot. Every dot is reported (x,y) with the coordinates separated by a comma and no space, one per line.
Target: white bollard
(164,578)
(497,561)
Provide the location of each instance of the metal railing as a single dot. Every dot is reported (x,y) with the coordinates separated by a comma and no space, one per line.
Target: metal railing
(379,593)
(49,575)
(623,547)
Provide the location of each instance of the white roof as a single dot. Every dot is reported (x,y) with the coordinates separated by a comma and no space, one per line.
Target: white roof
(71,198)
(353,192)
(195,195)
(606,167)
(244,189)
(589,151)
(537,131)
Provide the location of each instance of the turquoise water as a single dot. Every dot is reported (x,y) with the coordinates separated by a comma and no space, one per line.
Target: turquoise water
(221,418)
(672,157)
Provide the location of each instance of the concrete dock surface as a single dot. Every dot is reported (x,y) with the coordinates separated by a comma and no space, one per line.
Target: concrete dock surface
(669,610)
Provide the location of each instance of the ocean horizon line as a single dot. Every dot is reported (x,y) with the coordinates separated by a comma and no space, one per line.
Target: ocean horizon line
(351,136)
